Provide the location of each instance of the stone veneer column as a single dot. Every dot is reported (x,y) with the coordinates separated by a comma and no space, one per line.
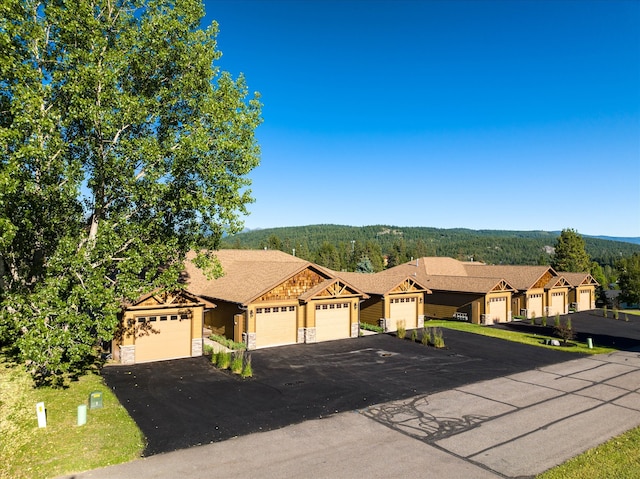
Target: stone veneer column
(310,335)
(421,320)
(196,347)
(355,329)
(127,354)
(251,341)
(300,338)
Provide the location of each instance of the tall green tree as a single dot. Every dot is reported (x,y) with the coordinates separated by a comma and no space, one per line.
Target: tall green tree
(629,279)
(122,146)
(570,253)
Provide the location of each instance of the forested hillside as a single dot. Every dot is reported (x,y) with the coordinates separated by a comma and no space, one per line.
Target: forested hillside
(341,247)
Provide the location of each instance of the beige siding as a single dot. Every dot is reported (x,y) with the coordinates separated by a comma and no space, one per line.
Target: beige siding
(220,319)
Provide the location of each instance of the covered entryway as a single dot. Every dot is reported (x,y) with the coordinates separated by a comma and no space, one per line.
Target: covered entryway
(402,309)
(584,300)
(333,321)
(162,337)
(497,310)
(557,303)
(535,305)
(276,326)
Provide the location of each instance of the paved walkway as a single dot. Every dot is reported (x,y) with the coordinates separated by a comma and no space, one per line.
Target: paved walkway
(511,427)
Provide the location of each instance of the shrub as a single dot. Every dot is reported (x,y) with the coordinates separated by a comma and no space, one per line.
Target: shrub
(208,350)
(237,362)
(414,335)
(402,330)
(615,314)
(533,318)
(564,331)
(224,360)
(371,327)
(425,336)
(214,358)
(436,338)
(604,310)
(544,320)
(226,342)
(247,370)
(556,320)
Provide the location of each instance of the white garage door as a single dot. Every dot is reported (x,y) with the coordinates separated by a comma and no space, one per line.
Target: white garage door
(403,309)
(276,326)
(557,304)
(534,308)
(332,321)
(584,300)
(163,337)
(497,310)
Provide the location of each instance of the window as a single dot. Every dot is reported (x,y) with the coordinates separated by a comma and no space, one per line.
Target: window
(141,319)
(324,306)
(258,310)
(267,310)
(276,309)
(152,318)
(184,316)
(163,318)
(332,306)
(174,317)
(292,308)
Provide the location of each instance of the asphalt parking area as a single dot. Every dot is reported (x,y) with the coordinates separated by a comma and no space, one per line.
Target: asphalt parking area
(184,403)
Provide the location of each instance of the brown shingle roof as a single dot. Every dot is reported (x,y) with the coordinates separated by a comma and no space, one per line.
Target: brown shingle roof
(382,282)
(576,279)
(520,277)
(247,274)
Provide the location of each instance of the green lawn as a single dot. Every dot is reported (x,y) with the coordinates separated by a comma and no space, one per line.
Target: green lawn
(618,458)
(109,437)
(525,338)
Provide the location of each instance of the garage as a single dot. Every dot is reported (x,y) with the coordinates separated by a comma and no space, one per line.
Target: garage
(557,303)
(497,310)
(584,300)
(535,305)
(333,321)
(402,309)
(162,337)
(276,326)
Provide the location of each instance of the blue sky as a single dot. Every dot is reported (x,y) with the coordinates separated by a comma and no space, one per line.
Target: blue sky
(520,115)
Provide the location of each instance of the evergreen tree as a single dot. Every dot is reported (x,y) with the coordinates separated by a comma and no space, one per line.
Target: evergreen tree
(629,279)
(364,265)
(570,254)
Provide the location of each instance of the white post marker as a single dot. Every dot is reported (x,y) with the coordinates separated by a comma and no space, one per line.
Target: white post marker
(42,414)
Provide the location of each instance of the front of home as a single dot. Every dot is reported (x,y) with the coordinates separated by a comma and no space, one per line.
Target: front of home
(268,298)
(160,326)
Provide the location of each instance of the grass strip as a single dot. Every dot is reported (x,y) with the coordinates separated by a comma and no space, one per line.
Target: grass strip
(109,437)
(518,337)
(617,458)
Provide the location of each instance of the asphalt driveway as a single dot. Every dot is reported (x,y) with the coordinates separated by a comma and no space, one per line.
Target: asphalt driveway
(184,403)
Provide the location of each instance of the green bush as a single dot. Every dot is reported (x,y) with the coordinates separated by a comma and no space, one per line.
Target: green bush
(425,336)
(237,362)
(544,320)
(224,360)
(227,343)
(371,327)
(402,330)
(414,335)
(247,370)
(615,314)
(556,320)
(214,358)
(437,339)
(604,311)
(208,350)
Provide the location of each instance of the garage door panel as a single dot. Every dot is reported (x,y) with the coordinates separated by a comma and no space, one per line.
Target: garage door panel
(163,339)
(403,309)
(497,310)
(535,306)
(333,321)
(557,304)
(584,301)
(276,326)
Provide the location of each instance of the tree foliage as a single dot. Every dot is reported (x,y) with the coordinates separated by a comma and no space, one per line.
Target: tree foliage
(382,244)
(570,253)
(122,146)
(629,279)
